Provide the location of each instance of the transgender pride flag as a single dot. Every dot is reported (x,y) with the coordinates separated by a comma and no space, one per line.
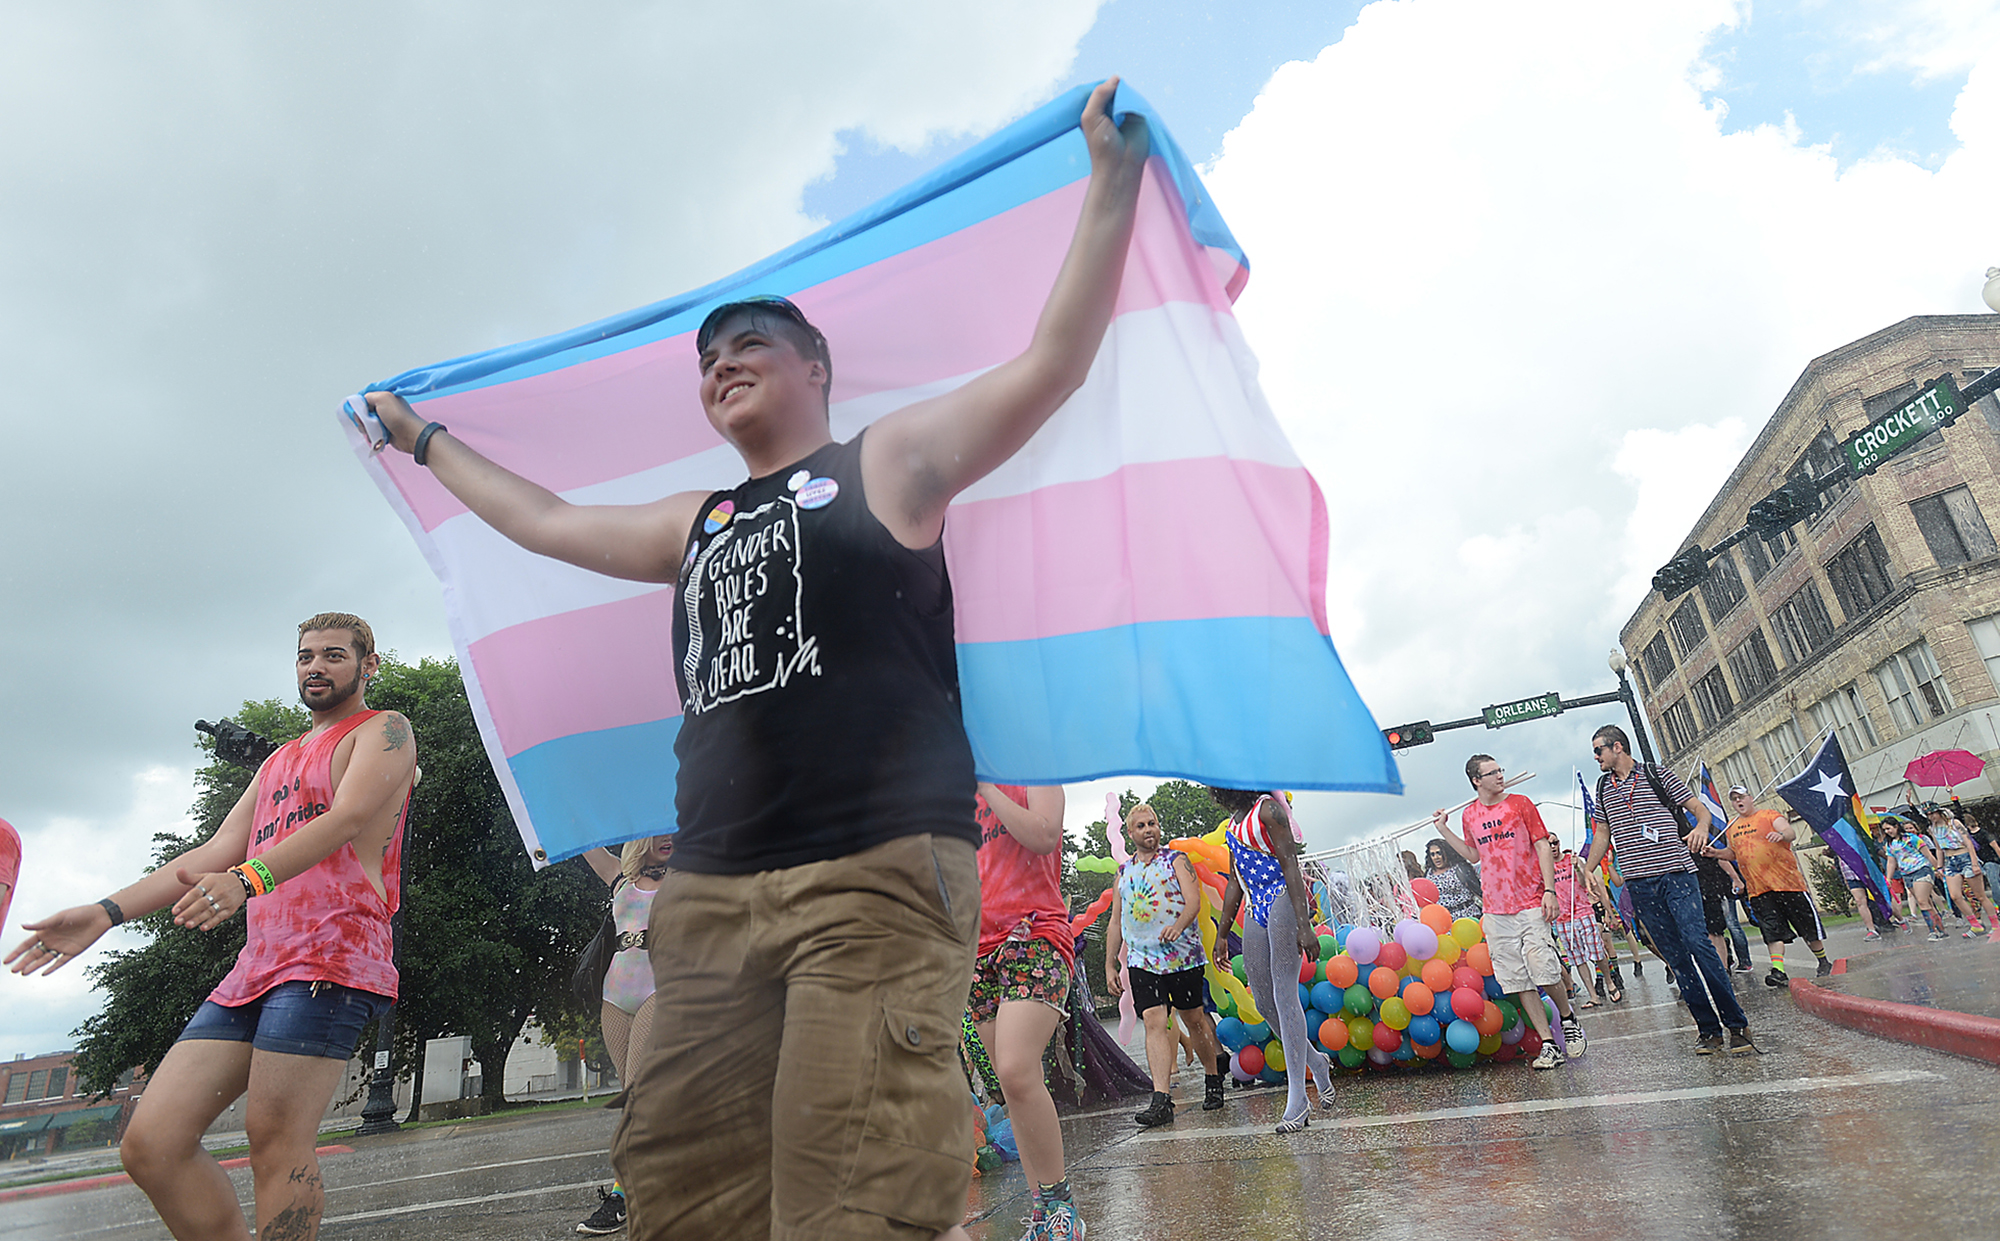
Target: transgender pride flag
(1141,590)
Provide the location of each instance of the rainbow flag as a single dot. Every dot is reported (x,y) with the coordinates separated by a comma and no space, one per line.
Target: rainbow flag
(1140,590)
(1825,796)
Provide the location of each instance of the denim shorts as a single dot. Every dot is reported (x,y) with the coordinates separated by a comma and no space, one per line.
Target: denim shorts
(293,1019)
(1956,864)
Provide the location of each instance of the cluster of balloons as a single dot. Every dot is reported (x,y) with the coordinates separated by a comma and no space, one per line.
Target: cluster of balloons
(1424,992)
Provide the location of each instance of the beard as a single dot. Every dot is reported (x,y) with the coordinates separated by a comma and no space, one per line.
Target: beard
(336,694)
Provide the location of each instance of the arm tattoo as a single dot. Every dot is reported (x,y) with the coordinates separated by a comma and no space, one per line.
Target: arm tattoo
(395,732)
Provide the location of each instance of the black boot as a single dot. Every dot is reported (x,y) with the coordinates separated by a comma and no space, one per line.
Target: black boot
(1212,1097)
(1159,1112)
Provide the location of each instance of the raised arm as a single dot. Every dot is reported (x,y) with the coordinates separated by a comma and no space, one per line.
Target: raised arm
(1037,825)
(1441,820)
(641,542)
(917,458)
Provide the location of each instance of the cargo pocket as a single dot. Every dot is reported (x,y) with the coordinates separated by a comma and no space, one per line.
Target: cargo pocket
(914,1162)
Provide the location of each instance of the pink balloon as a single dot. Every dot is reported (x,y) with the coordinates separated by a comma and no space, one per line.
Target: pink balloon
(1364,944)
(1467,1004)
(1425,891)
(1417,939)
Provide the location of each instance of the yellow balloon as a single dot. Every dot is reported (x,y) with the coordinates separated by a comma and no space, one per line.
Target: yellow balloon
(1274,1055)
(1360,1033)
(1489,1044)
(1448,950)
(1395,1013)
(1467,932)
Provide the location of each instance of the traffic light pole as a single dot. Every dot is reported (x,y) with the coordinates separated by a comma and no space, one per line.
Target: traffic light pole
(1622,695)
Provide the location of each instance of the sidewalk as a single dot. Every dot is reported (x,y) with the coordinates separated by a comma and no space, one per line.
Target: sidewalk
(1945,996)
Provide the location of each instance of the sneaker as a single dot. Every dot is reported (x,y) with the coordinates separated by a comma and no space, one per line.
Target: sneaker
(610,1215)
(1060,1222)
(1825,968)
(1638,967)
(1973,934)
(1744,967)
(1740,1044)
(1573,1037)
(1159,1112)
(1777,978)
(1548,1057)
(1212,1095)
(1035,1228)
(1871,935)
(1936,937)
(1708,1044)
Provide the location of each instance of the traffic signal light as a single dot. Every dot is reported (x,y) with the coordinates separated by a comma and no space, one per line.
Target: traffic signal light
(1403,736)
(1683,573)
(1785,507)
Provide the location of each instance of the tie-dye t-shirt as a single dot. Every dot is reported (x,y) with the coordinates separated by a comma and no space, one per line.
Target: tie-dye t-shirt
(1150,898)
(1766,865)
(1510,872)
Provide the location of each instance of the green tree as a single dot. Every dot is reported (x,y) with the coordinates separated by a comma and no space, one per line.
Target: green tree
(486,941)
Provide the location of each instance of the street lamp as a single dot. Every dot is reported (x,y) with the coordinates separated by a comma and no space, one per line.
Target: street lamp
(1991,293)
(1618,665)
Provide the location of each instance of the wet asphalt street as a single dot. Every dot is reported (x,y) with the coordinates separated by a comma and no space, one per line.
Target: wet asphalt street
(1827,1133)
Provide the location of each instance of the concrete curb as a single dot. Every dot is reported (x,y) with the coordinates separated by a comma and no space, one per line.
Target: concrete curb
(1958,1034)
(120,1178)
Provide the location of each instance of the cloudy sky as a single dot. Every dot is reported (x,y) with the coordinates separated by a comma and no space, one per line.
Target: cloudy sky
(1527,277)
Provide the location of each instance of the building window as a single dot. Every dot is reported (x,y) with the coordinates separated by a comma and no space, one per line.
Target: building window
(1711,695)
(1986,636)
(1722,589)
(1658,660)
(1677,725)
(1685,624)
(1781,748)
(1860,573)
(1842,712)
(17,1087)
(1953,527)
(1752,665)
(1757,558)
(1802,624)
(1914,687)
(1737,769)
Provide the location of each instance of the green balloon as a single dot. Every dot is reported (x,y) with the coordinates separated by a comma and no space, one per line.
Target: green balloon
(1236,968)
(1351,1057)
(1509,1015)
(1459,1059)
(1328,946)
(1358,1000)
(1225,1004)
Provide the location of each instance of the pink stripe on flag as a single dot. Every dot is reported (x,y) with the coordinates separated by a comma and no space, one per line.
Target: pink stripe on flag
(1215,537)
(576,672)
(950,307)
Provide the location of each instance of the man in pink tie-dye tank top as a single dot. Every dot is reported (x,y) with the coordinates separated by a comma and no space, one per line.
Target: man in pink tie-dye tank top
(311,854)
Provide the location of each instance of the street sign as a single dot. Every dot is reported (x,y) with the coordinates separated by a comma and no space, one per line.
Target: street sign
(1539,707)
(1938,405)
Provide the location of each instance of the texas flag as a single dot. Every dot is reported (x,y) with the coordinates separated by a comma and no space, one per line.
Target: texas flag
(1823,795)
(1140,590)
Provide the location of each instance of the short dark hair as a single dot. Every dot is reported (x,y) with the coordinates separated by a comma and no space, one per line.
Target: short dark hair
(1235,801)
(1613,735)
(1472,766)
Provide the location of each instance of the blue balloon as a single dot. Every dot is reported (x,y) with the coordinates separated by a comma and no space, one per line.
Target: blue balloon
(1326,997)
(1305,996)
(1259,1033)
(1404,1052)
(1271,1077)
(1229,1032)
(1340,934)
(1493,991)
(1462,1037)
(1425,1029)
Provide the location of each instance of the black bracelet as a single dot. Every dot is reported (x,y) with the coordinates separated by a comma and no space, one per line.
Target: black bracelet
(248,890)
(111,907)
(424,440)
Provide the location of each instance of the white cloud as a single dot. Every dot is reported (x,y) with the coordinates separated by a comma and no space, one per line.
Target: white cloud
(1522,305)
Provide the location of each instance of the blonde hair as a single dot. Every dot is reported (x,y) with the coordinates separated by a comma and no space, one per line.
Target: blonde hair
(364,637)
(1144,805)
(634,854)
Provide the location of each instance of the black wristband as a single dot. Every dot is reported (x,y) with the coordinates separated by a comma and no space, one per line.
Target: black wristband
(111,907)
(248,889)
(424,440)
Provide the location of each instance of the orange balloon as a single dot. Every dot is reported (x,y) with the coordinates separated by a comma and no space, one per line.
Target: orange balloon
(1480,957)
(1488,1021)
(1333,1033)
(1382,982)
(1436,917)
(1428,1051)
(1437,976)
(1418,998)
(1343,972)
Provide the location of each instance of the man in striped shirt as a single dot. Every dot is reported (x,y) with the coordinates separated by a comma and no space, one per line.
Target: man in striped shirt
(1640,808)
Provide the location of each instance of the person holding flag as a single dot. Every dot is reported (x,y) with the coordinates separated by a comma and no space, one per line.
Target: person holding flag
(1760,843)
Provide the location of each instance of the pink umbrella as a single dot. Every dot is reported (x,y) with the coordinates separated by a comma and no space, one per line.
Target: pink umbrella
(1944,768)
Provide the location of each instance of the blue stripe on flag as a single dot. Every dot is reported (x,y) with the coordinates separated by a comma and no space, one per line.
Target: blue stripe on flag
(1241,701)
(600,788)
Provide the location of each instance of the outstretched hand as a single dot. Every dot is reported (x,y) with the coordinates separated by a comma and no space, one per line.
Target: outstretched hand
(211,899)
(1113,146)
(57,939)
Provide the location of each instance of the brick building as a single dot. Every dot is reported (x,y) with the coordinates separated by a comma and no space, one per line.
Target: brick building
(1877,617)
(42,1112)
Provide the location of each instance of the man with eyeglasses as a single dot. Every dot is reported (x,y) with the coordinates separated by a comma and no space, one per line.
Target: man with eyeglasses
(1516,855)
(820,918)
(1639,805)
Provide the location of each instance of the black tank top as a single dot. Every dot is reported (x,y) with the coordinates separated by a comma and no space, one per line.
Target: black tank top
(818,680)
